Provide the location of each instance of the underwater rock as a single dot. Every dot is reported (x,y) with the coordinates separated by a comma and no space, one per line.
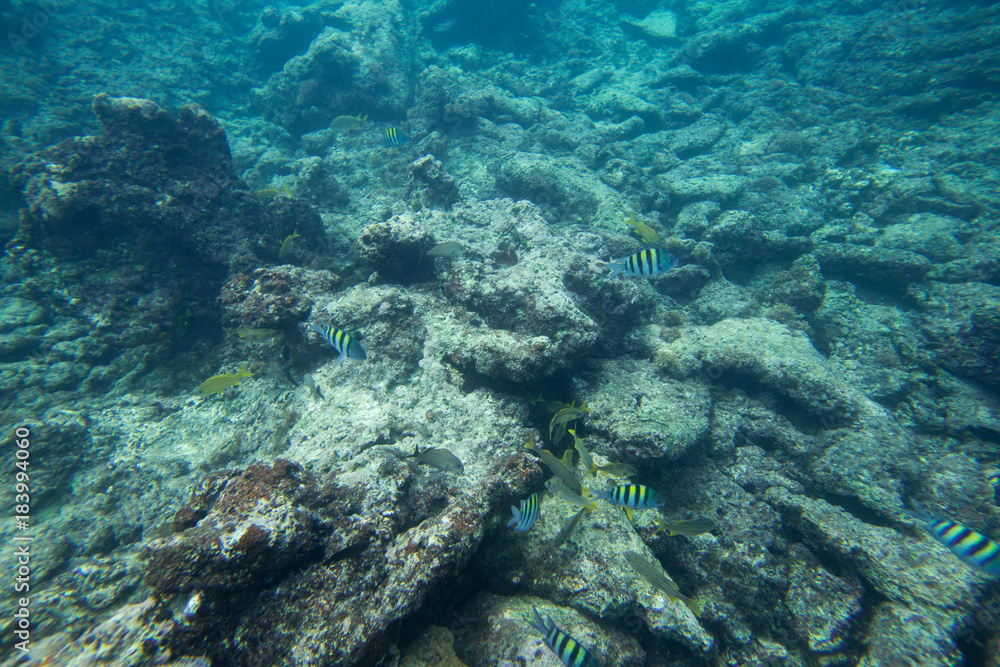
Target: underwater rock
(351,67)
(282,34)
(439,187)
(899,635)
(697,138)
(719,188)
(933,236)
(498,633)
(434,647)
(255,527)
(545,304)
(963,323)
(889,269)
(397,249)
(822,605)
(643,417)
(563,185)
(589,572)
(274,298)
(862,445)
(132,229)
(908,571)
(659,26)
(801,286)
(740,241)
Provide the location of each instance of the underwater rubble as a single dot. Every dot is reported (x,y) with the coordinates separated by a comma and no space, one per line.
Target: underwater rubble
(824,354)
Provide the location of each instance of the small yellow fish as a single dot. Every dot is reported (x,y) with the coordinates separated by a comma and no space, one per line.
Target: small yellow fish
(270,193)
(588,463)
(219,383)
(243,332)
(286,245)
(348,123)
(643,231)
(567,415)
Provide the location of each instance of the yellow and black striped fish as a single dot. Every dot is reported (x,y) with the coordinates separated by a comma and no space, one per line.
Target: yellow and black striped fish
(971,546)
(636,496)
(649,262)
(524,518)
(570,651)
(393,137)
(631,497)
(343,342)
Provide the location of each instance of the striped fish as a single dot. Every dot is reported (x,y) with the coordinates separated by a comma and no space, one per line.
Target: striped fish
(686,527)
(655,577)
(994,479)
(525,517)
(631,497)
(567,529)
(570,651)
(649,262)
(393,137)
(342,342)
(560,470)
(971,546)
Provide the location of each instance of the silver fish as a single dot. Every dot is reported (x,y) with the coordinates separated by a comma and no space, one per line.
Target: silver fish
(446,249)
(567,530)
(560,470)
(655,577)
(440,458)
(314,391)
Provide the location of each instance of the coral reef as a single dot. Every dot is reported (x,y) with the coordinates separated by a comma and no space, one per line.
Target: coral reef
(824,353)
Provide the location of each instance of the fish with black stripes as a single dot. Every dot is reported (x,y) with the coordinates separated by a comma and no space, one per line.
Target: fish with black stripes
(525,517)
(571,652)
(972,547)
(343,342)
(650,262)
(631,497)
(393,137)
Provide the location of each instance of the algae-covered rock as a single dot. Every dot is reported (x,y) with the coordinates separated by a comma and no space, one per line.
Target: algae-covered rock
(888,268)
(963,321)
(351,66)
(642,416)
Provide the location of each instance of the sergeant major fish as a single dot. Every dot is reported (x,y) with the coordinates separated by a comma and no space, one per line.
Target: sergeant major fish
(570,651)
(972,547)
(649,262)
(631,497)
(393,137)
(347,345)
(525,517)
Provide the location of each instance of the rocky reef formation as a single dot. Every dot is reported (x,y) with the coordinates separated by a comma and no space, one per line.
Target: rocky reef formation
(825,351)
